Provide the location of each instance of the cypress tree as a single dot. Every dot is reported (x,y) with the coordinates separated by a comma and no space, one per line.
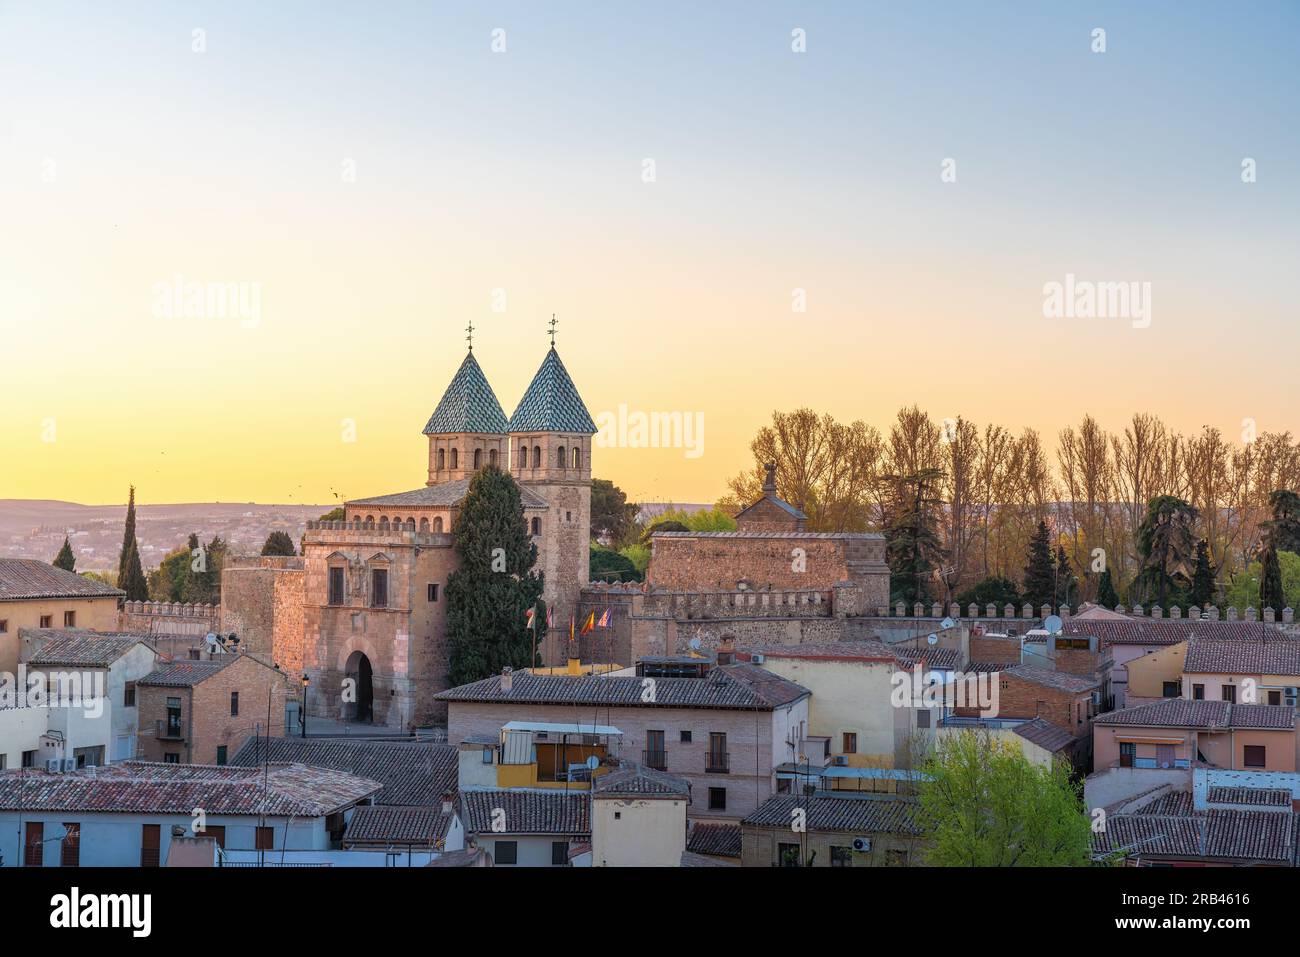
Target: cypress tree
(65,559)
(1040,573)
(128,539)
(1203,577)
(488,595)
(1270,582)
(279,543)
(1107,597)
(132,581)
(1065,581)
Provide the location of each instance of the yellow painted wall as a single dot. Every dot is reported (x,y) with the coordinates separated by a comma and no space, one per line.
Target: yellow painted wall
(97,614)
(1147,674)
(847,696)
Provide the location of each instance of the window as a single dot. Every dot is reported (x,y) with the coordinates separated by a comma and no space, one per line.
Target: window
(1171,689)
(655,754)
(379,588)
(537,526)
(47,621)
(1230,693)
(559,853)
(923,718)
(4,625)
(234,704)
(841,856)
(70,850)
(1275,697)
(150,842)
(128,695)
(265,839)
(217,832)
(506,852)
(537,456)
(221,754)
(336,585)
(89,757)
(442,459)
(577,458)
(787,855)
(432,590)
(1127,752)
(35,850)
(895,857)
(424,526)
(4,761)
(1198,692)
(559,457)
(172,757)
(487,755)
(29,759)
(455,459)
(173,718)
(717,799)
(717,751)
(523,456)
(850,743)
(437,526)
(1254,756)
(69,619)
(478,458)
(686,737)
(492,457)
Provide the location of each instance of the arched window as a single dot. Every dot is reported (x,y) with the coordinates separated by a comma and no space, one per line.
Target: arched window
(537,456)
(455,459)
(577,457)
(537,526)
(410,524)
(492,457)
(370,520)
(442,459)
(478,458)
(437,526)
(424,524)
(523,456)
(383,521)
(559,456)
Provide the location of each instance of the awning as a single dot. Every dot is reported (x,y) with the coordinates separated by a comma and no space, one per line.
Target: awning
(548,727)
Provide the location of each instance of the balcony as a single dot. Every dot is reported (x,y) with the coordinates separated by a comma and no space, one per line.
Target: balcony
(719,762)
(655,759)
(169,729)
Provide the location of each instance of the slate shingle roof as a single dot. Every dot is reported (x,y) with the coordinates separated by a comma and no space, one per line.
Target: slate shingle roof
(442,495)
(393,824)
(1202,715)
(739,686)
(860,815)
(716,840)
(468,405)
(527,812)
(25,578)
(1242,657)
(551,402)
(78,648)
(412,772)
(1044,734)
(144,787)
(1167,631)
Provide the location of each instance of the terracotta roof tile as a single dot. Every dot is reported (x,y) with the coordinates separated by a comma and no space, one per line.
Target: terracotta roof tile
(26,578)
(412,772)
(527,812)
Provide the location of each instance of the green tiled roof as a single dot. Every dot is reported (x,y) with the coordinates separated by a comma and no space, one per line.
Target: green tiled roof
(552,403)
(468,405)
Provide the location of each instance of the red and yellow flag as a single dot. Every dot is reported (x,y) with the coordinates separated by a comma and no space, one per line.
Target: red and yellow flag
(590,623)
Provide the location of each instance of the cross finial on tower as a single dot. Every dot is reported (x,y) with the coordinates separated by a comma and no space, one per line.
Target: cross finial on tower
(553,324)
(470,338)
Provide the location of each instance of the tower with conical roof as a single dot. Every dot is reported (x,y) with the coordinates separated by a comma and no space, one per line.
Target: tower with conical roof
(550,452)
(468,428)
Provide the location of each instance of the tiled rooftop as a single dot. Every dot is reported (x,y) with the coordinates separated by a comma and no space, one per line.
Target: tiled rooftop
(78,648)
(25,578)
(857,814)
(527,812)
(551,402)
(1203,715)
(442,495)
(468,404)
(1242,656)
(392,824)
(717,840)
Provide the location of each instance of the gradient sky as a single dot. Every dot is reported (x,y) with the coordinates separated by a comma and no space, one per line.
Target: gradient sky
(126,159)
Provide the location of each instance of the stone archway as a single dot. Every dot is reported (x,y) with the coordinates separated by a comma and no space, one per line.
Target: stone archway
(361,674)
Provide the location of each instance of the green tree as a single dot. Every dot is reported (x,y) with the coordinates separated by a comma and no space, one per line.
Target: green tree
(279,543)
(1283,529)
(1167,545)
(1067,590)
(337,514)
(913,547)
(1203,577)
(995,589)
(1107,597)
(133,581)
(65,559)
(128,539)
(613,517)
(1270,583)
(608,565)
(487,596)
(983,804)
(1245,586)
(639,556)
(1040,572)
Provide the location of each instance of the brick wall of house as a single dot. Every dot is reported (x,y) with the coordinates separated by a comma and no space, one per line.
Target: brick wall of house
(712,563)
(749,743)
(261,602)
(1002,651)
(1018,698)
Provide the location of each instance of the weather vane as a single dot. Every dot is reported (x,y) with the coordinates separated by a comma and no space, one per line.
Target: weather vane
(553,324)
(470,338)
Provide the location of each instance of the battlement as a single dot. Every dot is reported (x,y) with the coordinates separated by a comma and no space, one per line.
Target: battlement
(373,533)
(741,603)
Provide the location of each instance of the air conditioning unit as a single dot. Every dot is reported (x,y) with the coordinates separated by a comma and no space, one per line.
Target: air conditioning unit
(862,844)
(54,765)
(1096,697)
(69,764)
(1292,695)
(841,761)
(757,659)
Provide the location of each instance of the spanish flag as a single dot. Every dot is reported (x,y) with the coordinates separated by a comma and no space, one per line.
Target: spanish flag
(529,615)
(589,624)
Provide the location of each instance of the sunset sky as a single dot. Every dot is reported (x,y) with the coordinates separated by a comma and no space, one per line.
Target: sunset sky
(379,175)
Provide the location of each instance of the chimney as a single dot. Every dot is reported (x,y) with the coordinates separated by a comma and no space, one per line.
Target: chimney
(769,479)
(507,679)
(446,802)
(726,651)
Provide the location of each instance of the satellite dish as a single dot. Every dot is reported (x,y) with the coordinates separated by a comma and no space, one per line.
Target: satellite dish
(1052,624)
(947,623)
(933,639)
(695,644)
(593,762)
(209,639)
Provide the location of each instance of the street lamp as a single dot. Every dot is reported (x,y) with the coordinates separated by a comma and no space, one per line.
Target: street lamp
(302,717)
